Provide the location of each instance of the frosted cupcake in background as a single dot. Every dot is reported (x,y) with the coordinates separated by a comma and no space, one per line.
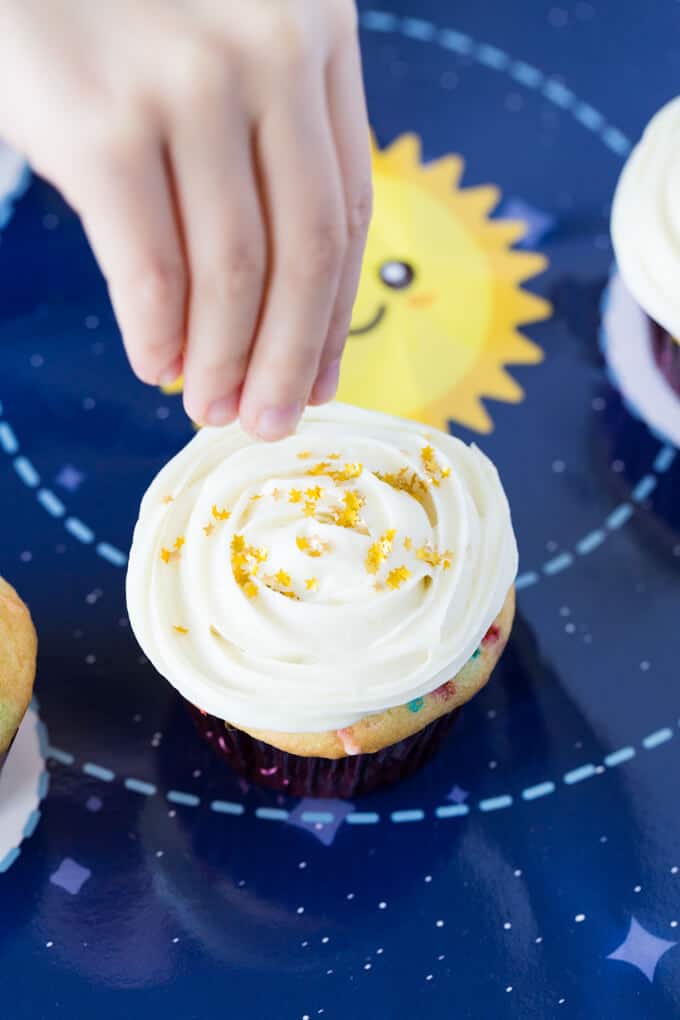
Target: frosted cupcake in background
(642,319)
(324,603)
(18,646)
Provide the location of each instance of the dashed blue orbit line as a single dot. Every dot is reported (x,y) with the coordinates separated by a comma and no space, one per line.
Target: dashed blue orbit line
(555,92)
(405,815)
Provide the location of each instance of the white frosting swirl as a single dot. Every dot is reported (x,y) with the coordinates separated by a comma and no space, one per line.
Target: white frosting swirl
(356,642)
(646,219)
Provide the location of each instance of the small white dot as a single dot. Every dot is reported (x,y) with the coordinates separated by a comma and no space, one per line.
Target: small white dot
(598,403)
(638,888)
(579,917)
(241,883)
(159,853)
(493,764)
(560,1002)
(599,770)
(350,895)
(674,869)
(440,957)
(172,813)
(89,403)
(514,102)
(50,221)
(175,940)
(91,321)
(491,714)
(367,966)
(538,940)
(90,659)
(507,925)
(302,864)
(380,951)
(588,638)
(517,872)
(382,905)
(618,466)
(48,945)
(306,1016)
(428,878)
(509,988)
(196,774)
(162,413)
(37,360)
(644,665)
(330,971)
(26,556)
(674,924)
(570,628)
(565,611)
(300,910)
(137,718)
(551,546)
(558,466)
(439,924)
(325,939)
(304,944)
(578,745)
(428,977)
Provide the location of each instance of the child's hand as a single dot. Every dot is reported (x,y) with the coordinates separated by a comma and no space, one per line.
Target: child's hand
(218,153)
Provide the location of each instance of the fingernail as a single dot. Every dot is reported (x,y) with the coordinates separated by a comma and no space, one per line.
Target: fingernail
(326,386)
(277,422)
(221,411)
(168,377)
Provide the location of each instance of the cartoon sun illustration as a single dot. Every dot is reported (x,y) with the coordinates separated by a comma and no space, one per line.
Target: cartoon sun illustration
(436,320)
(437,316)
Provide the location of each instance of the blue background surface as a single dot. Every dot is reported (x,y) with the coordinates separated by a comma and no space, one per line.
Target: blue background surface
(512,908)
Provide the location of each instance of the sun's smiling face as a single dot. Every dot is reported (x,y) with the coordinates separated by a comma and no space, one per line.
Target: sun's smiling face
(439,301)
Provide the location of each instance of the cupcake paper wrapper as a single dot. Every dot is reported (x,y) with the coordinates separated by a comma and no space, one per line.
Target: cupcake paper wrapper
(344,778)
(667,356)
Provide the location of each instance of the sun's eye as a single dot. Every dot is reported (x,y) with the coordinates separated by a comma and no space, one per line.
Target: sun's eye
(397,274)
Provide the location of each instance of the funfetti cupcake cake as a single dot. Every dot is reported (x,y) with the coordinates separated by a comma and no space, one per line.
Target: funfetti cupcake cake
(643,315)
(18,645)
(327,602)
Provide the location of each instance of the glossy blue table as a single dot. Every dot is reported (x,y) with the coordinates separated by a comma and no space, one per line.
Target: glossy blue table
(532,868)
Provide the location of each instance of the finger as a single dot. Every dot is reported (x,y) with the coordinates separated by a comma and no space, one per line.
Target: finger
(226,245)
(126,205)
(349,123)
(307,238)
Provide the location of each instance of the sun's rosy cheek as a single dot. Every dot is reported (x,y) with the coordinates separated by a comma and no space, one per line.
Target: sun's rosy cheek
(422,300)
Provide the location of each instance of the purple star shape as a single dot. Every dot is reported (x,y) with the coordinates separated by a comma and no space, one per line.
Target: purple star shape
(70,478)
(322,818)
(457,794)
(538,223)
(641,949)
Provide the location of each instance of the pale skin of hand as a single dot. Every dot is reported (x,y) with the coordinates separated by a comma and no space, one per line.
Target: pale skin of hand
(217,152)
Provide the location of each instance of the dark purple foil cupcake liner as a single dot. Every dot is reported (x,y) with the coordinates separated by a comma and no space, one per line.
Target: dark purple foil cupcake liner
(667,355)
(345,778)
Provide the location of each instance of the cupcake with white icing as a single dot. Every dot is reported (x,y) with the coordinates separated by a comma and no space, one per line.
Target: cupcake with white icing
(646,236)
(326,602)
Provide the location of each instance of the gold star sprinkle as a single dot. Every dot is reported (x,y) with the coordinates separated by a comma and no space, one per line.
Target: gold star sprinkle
(250,588)
(209,528)
(312,584)
(379,551)
(309,509)
(434,472)
(238,544)
(168,499)
(314,493)
(313,546)
(165,555)
(396,577)
(319,469)
(181,630)
(305,455)
(405,481)
(408,543)
(254,499)
(179,542)
(221,515)
(334,456)
(276,494)
(427,554)
(295,496)
(283,578)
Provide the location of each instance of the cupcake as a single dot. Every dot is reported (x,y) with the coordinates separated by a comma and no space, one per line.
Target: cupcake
(327,602)
(646,236)
(18,645)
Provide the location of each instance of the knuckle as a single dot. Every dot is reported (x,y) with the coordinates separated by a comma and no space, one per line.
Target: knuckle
(360,211)
(239,269)
(320,251)
(287,39)
(160,284)
(201,69)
